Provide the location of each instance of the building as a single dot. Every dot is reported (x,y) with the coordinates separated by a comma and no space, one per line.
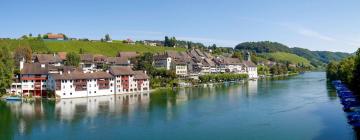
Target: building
(127,55)
(162,61)
(51,59)
(227,64)
(142,81)
(33,77)
(74,84)
(129,81)
(251,69)
(180,67)
(87,62)
(55,37)
(118,61)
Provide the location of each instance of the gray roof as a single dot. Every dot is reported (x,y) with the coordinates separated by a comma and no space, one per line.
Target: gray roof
(35,68)
(249,64)
(140,75)
(121,70)
(47,58)
(86,58)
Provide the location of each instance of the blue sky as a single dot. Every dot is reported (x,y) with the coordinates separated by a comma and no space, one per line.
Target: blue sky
(314,24)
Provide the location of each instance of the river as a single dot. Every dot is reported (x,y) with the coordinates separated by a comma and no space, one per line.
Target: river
(298,107)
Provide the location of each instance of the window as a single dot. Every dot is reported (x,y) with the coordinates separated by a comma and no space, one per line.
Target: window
(94,85)
(64,94)
(94,91)
(70,93)
(89,92)
(70,86)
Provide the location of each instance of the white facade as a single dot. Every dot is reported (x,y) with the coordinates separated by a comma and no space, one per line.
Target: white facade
(252,72)
(181,70)
(88,67)
(163,63)
(67,88)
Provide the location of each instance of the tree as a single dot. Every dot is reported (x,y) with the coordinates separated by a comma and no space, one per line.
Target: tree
(81,51)
(6,69)
(237,54)
(167,41)
(45,36)
(39,37)
(23,52)
(356,72)
(65,37)
(72,59)
(172,42)
(107,37)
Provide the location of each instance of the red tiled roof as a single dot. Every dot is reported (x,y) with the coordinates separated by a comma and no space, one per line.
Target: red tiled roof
(80,75)
(62,55)
(55,36)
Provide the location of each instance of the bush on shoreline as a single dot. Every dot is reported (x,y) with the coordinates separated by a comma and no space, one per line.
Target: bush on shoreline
(222,77)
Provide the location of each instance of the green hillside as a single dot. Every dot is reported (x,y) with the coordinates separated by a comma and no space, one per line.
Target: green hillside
(286,57)
(105,48)
(316,58)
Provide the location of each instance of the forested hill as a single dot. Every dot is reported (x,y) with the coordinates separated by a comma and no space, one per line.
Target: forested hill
(316,58)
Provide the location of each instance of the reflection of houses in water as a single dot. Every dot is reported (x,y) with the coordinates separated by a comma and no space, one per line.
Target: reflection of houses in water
(181,96)
(28,110)
(90,107)
(26,113)
(252,87)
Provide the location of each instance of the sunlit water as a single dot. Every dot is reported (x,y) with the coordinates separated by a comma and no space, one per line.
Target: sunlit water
(300,107)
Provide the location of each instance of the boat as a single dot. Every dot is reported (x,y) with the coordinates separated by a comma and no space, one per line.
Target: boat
(13,98)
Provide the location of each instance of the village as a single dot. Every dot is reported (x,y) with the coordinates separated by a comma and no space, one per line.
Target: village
(98,75)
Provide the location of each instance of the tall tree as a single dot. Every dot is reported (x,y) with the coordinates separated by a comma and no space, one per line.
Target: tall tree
(6,69)
(167,41)
(21,52)
(107,37)
(72,59)
(172,42)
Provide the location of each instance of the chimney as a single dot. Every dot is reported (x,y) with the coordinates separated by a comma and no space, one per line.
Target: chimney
(42,65)
(22,63)
(107,71)
(54,54)
(60,72)
(145,71)
(68,72)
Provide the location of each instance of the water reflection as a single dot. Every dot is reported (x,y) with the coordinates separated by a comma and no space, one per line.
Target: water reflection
(238,109)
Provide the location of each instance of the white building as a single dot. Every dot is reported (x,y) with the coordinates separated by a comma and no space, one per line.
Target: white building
(79,84)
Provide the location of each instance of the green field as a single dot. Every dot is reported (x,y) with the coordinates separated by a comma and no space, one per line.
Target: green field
(105,48)
(283,57)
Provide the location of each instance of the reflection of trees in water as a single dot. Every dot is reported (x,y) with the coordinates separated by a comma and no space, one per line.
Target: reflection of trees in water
(6,122)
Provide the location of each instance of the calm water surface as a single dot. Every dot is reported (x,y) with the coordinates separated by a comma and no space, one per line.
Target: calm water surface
(300,107)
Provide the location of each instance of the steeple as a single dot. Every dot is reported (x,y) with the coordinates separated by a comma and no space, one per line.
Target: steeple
(247,56)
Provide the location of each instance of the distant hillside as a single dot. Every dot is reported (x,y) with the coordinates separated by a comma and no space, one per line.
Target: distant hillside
(286,57)
(316,58)
(105,48)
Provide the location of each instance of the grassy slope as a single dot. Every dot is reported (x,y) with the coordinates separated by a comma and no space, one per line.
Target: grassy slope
(108,49)
(292,58)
